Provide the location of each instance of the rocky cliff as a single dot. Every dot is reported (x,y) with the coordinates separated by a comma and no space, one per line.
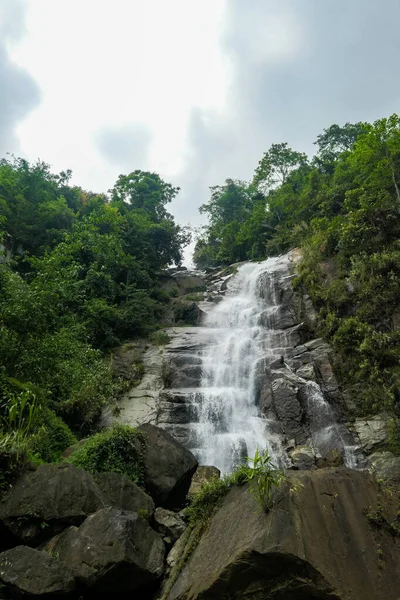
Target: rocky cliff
(293,383)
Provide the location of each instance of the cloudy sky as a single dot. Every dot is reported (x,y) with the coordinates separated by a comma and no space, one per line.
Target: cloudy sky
(195,90)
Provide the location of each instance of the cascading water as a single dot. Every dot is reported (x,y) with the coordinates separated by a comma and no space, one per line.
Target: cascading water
(230,426)
(243,330)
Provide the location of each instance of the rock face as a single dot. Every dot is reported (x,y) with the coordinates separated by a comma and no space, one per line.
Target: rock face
(169,524)
(294,391)
(112,552)
(386,466)
(372,431)
(140,404)
(202,475)
(28,573)
(121,492)
(168,467)
(43,502)
(315,542)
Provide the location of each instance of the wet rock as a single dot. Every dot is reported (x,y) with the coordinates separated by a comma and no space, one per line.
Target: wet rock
(168,467)
(140,404)
(325,375)
(176,413)
(386,466)
(278,317)
(372,432)
(303,457)
(43,502)
(169,524)
(288,409)
(121,492)
(113,552)
(188,283)
(333,458)
(184,376)
(266,401)
(315,543)
(202,475)
(187,312)
(307,372)
(29,573)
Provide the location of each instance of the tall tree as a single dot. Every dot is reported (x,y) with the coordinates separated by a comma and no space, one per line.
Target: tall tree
(276,165)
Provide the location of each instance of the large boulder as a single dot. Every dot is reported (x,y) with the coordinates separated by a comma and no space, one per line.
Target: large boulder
(43,502)
(315,542)
(112,552)
(168,467)
(121,492)
(29,573)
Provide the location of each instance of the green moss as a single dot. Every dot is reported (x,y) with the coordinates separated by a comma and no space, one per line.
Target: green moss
(117,450)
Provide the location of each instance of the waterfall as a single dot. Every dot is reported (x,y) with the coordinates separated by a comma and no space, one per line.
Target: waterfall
(230,426)
(246,330)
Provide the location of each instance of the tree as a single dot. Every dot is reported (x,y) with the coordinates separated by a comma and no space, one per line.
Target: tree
(145,191)
(276,165)
(229,202)
(335,140)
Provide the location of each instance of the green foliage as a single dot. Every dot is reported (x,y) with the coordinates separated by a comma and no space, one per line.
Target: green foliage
(379,519)
(51,436)
(208,498)
(262,475)
(276,165)
(18,414)
(13,458)
(83,276)
(117,450)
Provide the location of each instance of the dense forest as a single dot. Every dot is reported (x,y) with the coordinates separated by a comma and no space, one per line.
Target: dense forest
(342,208)
(79,273)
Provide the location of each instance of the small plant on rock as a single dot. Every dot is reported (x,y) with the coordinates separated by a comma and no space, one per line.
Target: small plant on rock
(263,476)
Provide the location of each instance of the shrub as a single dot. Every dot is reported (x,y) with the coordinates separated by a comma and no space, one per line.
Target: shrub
(263,477)
(207,499)
(13,458)
(117,450)
(160,338)
(52,436)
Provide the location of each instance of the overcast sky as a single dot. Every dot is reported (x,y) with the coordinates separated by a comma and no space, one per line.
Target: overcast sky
(195,90)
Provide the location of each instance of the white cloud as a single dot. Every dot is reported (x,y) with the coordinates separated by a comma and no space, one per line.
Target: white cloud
(107,64)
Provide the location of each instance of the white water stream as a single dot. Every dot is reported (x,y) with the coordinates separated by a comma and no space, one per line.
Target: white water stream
(229,426)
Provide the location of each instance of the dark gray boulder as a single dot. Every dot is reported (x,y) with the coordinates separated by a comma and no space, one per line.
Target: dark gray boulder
(315,543)
(121,492)
(112,552)
(168,524)
(168,467)
(29,573)
(43,502)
